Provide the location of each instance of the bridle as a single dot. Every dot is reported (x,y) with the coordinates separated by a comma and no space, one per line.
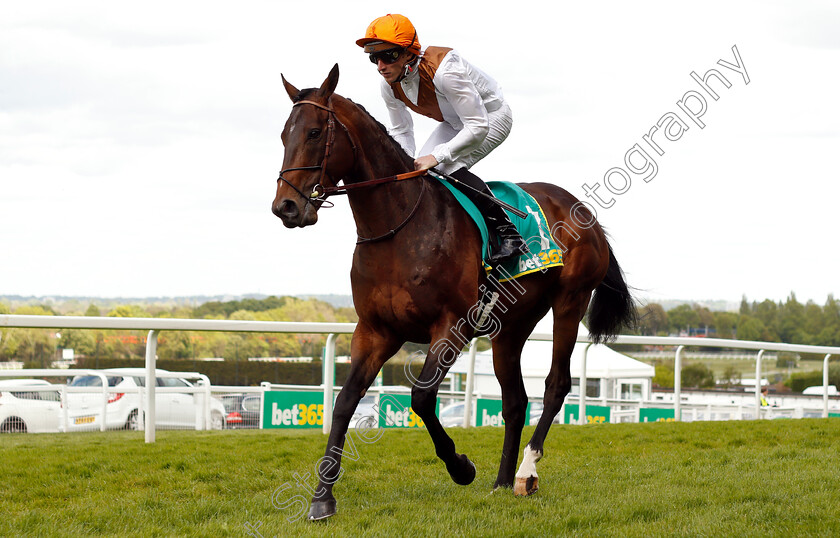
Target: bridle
(320,192)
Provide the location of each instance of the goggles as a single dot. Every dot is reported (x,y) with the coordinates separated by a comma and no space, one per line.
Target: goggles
(387,56)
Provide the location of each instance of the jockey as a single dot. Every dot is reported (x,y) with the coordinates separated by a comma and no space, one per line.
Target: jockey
(474,117)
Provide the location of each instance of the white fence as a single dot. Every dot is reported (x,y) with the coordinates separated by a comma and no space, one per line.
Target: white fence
(155,325)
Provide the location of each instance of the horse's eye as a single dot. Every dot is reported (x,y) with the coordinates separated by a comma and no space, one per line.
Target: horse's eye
(314,133)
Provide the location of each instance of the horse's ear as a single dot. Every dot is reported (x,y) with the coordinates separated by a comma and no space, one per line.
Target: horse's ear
(291,90)
(328,87)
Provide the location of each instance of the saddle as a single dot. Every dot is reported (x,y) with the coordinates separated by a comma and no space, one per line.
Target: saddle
(543,250)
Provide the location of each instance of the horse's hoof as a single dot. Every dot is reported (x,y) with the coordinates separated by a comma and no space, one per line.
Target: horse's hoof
(462,470)
(526,486)
(321,510)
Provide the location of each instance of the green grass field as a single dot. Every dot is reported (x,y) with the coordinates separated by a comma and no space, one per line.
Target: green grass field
(768,478)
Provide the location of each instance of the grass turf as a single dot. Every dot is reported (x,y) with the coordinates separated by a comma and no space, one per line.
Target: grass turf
(769,478)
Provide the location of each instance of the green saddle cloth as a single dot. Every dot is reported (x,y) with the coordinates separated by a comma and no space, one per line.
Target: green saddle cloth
(534,230)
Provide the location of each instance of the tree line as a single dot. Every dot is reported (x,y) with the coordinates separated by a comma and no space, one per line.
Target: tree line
(786,321)
(39,347)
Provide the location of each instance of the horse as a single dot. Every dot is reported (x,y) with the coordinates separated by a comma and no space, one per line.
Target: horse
(417,276)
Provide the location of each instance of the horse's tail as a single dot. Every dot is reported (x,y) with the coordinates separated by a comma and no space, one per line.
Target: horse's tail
(612,305)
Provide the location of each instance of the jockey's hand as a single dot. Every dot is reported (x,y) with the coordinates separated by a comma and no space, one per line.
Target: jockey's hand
(425,162)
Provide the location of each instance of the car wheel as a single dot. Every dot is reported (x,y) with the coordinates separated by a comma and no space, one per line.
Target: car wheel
(133,423)
(217,421)
(13,425)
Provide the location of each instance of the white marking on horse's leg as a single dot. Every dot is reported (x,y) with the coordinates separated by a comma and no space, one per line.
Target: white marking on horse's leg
(528,467)
(527,481)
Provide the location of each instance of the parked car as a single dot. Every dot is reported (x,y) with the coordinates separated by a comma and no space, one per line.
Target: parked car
(453,415)
(536,413)
(367,410)
(23,411)
(819,390)
(172,409)
(242,410)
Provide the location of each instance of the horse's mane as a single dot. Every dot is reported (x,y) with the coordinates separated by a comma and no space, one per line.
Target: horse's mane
(409,160)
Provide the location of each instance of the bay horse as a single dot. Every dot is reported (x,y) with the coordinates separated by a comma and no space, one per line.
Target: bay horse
(417,276)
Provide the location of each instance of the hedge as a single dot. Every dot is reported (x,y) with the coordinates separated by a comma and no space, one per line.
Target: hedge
(800,381)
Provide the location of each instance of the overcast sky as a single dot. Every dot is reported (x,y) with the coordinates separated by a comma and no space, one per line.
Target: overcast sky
(140,142)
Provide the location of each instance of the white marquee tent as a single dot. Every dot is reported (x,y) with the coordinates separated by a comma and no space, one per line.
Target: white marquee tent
(609,373)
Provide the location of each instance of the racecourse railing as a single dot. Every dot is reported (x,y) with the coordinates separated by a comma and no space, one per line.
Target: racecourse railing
(203,389)
(156,325)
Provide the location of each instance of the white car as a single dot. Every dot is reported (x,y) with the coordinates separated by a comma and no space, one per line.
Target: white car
(366,410)
(172,409)
(820,389)
(33,411)
(453,415)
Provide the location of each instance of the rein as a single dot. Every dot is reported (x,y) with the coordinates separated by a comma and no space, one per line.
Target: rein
(393,232)
(330,191)
(320,192)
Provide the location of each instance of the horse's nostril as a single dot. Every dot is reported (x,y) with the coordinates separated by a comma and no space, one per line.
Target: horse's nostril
(285,209)
(290,209)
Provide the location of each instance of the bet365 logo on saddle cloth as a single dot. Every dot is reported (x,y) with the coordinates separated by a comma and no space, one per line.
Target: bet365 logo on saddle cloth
(534,230)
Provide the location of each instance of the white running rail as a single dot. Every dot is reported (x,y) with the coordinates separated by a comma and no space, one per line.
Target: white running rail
(155,325)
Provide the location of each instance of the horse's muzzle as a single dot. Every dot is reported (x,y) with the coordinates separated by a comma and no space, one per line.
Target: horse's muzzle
(291,214)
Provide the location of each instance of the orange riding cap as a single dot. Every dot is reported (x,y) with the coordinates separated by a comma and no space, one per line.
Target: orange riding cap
(389,31)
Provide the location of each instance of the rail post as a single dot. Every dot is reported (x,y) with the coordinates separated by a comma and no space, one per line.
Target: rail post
(678,383)
(329,374)
(151,359)
(141,415)
(105,397)
(758,384)
(825,386)
(468,391)
(65,422)
(582,401)
(266,386)
(205,404)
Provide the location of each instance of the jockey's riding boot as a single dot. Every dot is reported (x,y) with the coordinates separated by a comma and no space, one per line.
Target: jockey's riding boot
(505,241)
